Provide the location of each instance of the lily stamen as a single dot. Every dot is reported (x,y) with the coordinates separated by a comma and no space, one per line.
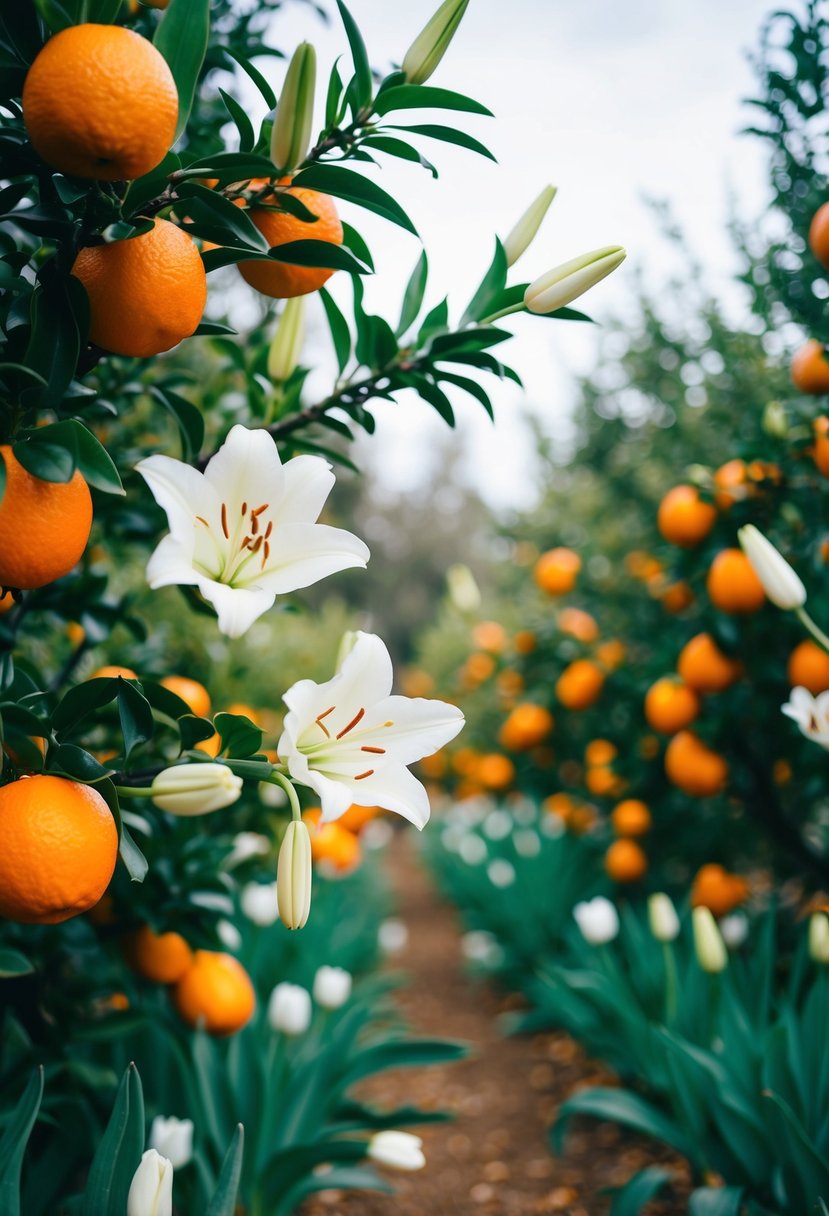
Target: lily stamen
(378,751)
(357,717)
(224,521)
(368,773)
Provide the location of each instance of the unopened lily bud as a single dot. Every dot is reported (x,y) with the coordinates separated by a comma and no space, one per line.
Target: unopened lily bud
(780,583)
(662,917)
(432,43)
(464,592)
(397,1150)
(291,135)
(565,283)
(775,422)
(151,1189)
(819,937)
(286,344)
(173,1139)
(712,955)
(195,789)
(525,231)
(293,876)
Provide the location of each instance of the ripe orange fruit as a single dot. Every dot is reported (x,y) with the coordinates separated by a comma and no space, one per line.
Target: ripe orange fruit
(6,602)
(715,888)
(600,751)
(145,294)
(489,635)
(477,668)
(625,861)
(809,667)
(731,482)
(280,279)
(217,990)
(526,727)
(356,817)
(694,767)
(100,102)
(820,452)
(160,957)
(704,667)
(191,692)
(332,843)
(111,671)
(601,780)
(580,684)
(611,654)
(810,369)
(732,584)
(670,705)
(525,641)
(677,597)
(631,818)
(44,526)
(819,235)
(556,571)
(495,772)
(684,518)
(58,846)
(578,624)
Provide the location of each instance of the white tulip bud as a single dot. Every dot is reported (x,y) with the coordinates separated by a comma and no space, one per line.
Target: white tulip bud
(567,282)
(260,904)
(332,987)
(294,875)
(392,936)
(173,1139)
(432,43)
(712,955)
(151,1189)
(286,344)
(525,231)
(195,789)
(819,937)
(291,135)
(289,1009)
(662,917)
(780,583)
(597,919)
(397,1150)
(734,929)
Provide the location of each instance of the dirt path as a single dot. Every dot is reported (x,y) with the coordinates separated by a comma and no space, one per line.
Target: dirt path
(493,1159)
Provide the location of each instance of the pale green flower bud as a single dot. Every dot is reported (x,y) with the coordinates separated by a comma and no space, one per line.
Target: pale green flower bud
(464,592)
(662,917)
(819,937)
(286,344)
(565,283)
(291,135)
(780,583)
(293,876)
(525,231)
(775,422)
(195,789)
(432,43)
(712,955)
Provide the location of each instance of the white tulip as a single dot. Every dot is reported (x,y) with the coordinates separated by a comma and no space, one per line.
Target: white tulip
(597,919)
(780,583)
(151,1189)
(567,282)
(397,1150)
(173,1139)
(289,1009)
(332,987)
(712,955)
(662,917)
(195,789)
(259,903)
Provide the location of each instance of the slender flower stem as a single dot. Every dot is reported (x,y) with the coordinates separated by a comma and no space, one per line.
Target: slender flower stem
(133,791)
(670,983)
(277,778)
(504,312)
(817,633)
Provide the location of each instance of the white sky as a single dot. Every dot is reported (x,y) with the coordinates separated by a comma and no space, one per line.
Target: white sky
(610,100)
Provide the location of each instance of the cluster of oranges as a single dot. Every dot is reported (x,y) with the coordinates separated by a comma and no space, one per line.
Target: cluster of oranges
(208,987)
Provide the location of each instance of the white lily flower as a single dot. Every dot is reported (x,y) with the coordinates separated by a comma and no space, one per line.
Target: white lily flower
(781,584)
(350,740)
(244,531)
(151,1189)
(289,1009)
(332,987)
(397,1150)
(195,789)
(810,713)
(173,1139)
(597,919)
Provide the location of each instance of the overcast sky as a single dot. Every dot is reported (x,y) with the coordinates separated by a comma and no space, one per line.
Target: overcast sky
(610,100)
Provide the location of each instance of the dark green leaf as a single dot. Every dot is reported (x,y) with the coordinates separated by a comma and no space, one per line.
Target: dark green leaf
(400,149)
(715,1201)
(354,188)
(134,860)
(362,69)
(136,716)
(46,460)
(223,1202)
(247,135)
(182,37)
(340,333)
(255,75)
(447,135)
(419,96)
(94,461)
(189,419)
(490,287)
(353,241)
(318,253)
(621,1106)
(413,296)
(14,1141)
(639,1190)
(118,1153)
(83,700)
(77,763)
(240,737)
(13,964)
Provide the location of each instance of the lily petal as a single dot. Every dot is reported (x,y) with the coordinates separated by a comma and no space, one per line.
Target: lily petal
(236,607)
(395,789)
(246,468)
(420,726)
(302,554)
(308,482)
(171,563)
(180,490)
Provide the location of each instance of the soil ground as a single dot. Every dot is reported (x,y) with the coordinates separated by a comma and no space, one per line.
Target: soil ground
(494,1158)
